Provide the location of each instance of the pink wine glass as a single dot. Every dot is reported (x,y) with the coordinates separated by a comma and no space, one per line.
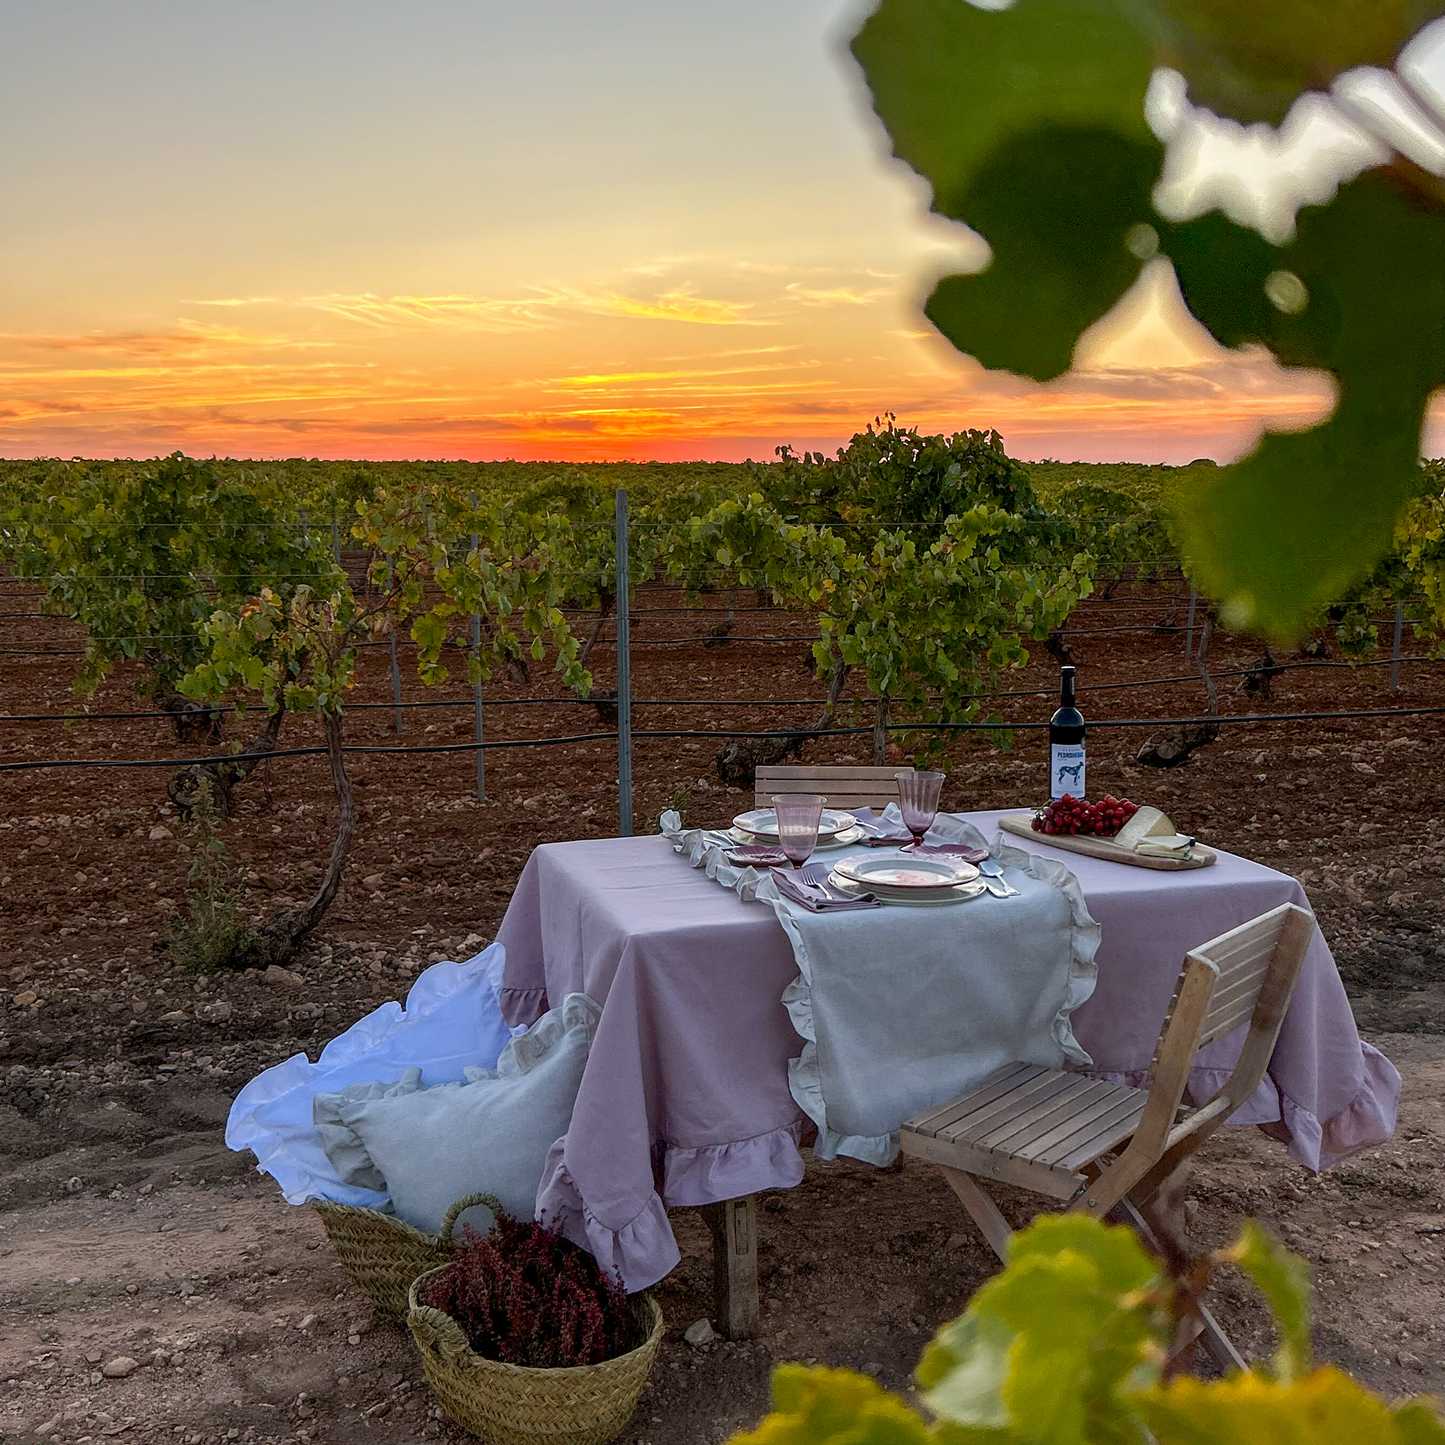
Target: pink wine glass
(798,817)
(918,795)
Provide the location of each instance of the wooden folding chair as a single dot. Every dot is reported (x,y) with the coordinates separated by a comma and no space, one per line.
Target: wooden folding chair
(844,788)
(1101,1146)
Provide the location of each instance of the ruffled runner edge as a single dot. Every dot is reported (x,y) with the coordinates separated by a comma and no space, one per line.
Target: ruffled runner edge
(644,1250)
(804,1072)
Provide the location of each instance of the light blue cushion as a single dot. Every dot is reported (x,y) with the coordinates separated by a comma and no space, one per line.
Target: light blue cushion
(340,1141)
(491,1135)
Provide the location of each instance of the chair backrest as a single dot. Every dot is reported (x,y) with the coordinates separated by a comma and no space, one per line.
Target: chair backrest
(1244,976)
(1258,965)
(843,787)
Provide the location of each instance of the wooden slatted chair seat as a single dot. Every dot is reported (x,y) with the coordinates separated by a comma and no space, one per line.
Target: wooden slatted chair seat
(1030,1126)
(844,788)
(1104,1147)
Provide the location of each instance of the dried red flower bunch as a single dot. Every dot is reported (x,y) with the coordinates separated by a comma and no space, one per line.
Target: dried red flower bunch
(524,1295)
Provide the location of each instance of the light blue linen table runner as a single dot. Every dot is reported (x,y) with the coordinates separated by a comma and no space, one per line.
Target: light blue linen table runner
(902,1007)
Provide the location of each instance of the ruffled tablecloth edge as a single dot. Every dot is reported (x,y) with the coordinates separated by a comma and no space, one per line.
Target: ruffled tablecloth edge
(804,1072)
(644,1250)
(522,1007)
(1319,1144)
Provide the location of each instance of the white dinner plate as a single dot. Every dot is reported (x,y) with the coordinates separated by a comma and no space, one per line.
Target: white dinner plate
(836,840)
(907,872)
(934,898)
(763,823)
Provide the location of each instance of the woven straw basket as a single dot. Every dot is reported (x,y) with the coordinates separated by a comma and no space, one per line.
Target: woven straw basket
(382,1254)
(515,1405)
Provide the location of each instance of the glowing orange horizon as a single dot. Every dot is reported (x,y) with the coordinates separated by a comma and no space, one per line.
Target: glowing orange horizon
(571,374)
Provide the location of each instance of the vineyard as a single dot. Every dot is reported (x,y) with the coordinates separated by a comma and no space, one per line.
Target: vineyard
(907,583)
(425,658)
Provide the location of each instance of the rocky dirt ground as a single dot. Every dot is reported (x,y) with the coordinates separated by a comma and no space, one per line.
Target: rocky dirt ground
(129,1234)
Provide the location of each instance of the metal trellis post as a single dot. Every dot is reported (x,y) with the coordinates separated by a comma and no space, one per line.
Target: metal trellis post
(1395,653)
(395,669)
(477,692)
(335,531)
(624,676)
(396,682)
(1189,630)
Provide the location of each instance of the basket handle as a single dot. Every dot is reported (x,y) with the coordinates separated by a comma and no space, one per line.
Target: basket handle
(467,1201)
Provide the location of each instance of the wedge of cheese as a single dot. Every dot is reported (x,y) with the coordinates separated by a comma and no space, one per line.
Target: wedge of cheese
(1151,833)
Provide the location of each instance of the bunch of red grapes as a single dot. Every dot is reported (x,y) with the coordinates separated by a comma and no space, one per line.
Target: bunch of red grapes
(1078,815)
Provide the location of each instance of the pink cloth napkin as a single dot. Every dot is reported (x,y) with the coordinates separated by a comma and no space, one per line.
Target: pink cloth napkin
(881,834)
(758,855)
(966,851)
(815,899)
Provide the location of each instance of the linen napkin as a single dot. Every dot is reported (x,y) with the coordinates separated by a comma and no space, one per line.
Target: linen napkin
(883,833)
(880,832)
(817,900)
(757,855)
(951,850)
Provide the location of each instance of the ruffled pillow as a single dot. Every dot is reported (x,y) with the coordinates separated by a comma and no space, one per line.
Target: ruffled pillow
(340,1143)
(491,1135)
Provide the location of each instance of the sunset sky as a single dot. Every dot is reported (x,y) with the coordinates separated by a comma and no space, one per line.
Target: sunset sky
(466,228)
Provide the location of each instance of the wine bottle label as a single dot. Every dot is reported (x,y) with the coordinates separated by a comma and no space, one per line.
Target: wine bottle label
(1066,770)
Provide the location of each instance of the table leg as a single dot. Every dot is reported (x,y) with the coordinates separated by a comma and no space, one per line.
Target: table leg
(734,1226)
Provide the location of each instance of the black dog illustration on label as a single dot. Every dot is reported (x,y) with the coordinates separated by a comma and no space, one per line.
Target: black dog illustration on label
(1073,771)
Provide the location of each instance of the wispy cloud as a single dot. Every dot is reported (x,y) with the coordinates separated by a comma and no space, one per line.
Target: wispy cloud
(235,301)
(836,295)
(678,305)
(188,339)
(549,307)
(544,309)
(718,377)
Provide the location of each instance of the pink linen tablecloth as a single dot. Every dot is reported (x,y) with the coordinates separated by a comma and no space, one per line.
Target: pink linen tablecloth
(685,1097)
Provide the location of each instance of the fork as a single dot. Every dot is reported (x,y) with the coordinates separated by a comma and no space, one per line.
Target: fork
(815,875)
(990,869)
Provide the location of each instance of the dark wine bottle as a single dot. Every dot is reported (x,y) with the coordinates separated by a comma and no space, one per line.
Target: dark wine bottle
(1066,743)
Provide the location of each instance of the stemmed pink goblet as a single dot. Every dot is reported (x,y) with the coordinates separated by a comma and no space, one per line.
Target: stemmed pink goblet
(918,795)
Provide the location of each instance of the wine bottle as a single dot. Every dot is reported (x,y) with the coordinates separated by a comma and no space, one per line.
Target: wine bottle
(1066,743)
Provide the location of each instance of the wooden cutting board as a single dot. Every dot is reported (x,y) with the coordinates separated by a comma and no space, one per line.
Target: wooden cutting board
(1021,824)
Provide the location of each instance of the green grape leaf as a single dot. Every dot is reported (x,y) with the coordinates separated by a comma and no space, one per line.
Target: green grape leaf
(1048,1348)
(1284,1281)
(1060,208)
(949,79)
(1285,531)
(1418,1422)
(1250,61)
(1223,270)
(835,1407)
(1323,1408)
(964,1369)
(1120,1262)
(429,632)
(1029,126)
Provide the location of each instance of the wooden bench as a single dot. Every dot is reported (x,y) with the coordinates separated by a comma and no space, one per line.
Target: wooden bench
(843,787)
